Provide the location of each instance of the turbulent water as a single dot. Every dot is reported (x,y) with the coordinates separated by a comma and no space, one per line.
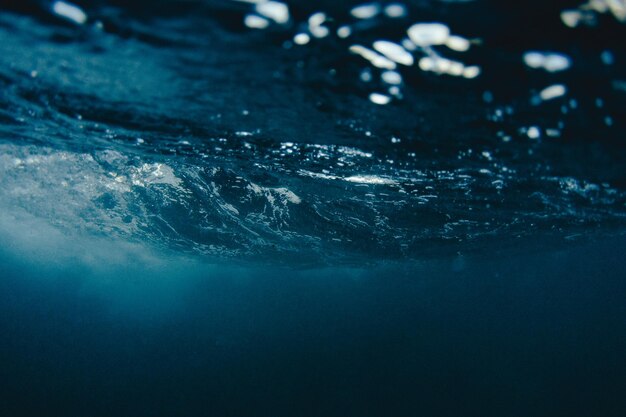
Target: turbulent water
(308,208)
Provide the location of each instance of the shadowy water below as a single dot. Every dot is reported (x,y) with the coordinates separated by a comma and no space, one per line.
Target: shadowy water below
(534,333)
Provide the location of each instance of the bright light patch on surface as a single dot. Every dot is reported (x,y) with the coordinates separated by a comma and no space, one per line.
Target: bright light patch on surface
(553,133)
(456,69)
(471,72)
(533,132)
(442,65)
(408,45)
(618,9)
(274,10)
(315,25)
(391,77)
(551,62)
(317,19)
(69,11)
(571,18)
(394,52)
(255,22)
(378,98)
(344,31)
(458,43)
(554,91)
(374,58)
(427,64)
(319,31)
(395,10)
(365,11)
(427,34)
(301,39)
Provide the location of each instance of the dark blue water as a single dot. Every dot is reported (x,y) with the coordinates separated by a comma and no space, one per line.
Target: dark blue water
(227,209)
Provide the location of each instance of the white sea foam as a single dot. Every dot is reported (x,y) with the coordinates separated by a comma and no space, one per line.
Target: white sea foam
(155,173)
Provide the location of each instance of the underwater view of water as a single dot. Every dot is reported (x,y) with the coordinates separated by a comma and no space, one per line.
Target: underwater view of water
(267,208)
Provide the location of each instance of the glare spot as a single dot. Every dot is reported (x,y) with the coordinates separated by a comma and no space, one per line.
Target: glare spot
(374,58)
(391,77)
(551,62)
(365,11)
(301,39)
(315,25)
(317,19)
(471,72)
(533,132)
(256,22)
(394,52)
(395,10)
(554,91)
(427,34)
(344,31)
(319,31)
(408,45)
(553,133)
(571,18)
(69,11)
(378,98)
(456,69)
(274,10)
(427,64)
(442,65)
(458,43)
